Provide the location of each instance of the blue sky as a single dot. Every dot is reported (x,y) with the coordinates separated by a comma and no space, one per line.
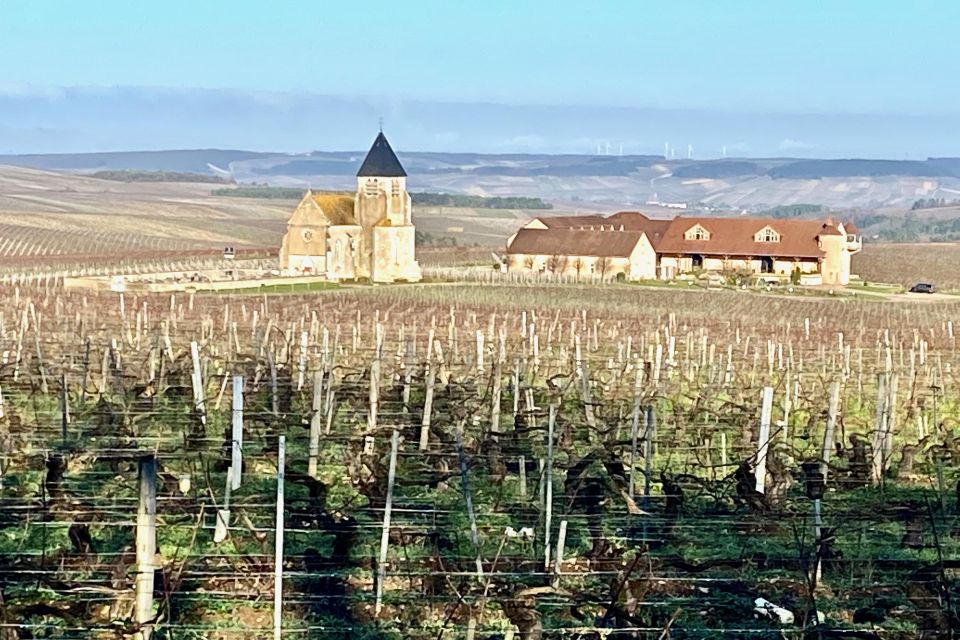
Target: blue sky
(786,57)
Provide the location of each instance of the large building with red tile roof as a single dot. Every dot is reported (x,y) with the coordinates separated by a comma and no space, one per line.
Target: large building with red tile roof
(632,246)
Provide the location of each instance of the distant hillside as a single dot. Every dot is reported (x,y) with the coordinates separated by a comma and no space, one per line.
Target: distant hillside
(130,175)
(727,185)
(189,160)
(419,198)
(813,169)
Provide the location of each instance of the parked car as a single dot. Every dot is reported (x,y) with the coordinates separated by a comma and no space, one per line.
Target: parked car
(922,287)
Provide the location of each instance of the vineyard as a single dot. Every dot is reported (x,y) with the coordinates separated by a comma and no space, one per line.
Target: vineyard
(53,222)
(462,461)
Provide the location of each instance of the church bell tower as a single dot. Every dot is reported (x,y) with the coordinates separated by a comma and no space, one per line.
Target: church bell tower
(384,212)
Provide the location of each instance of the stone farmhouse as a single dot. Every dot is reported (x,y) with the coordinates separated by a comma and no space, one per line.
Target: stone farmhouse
(629,245)
(365,235)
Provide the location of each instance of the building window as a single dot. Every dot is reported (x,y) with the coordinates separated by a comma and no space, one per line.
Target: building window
(697,232)
(767,235)
(395,188)
(371,188)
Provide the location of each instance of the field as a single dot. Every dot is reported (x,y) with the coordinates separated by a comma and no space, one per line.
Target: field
(538,461)
(625,435)
(908,264)
(50,220)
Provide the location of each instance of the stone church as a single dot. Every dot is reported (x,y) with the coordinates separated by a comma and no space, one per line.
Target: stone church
(366,235)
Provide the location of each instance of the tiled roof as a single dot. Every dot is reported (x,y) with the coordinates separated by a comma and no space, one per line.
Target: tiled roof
(575,242)
(381,161)
(337,208)
(735,237)
(636,221)
(572,222)
(616,235)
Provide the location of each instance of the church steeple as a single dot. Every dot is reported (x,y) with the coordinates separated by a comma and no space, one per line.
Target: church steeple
(381,161)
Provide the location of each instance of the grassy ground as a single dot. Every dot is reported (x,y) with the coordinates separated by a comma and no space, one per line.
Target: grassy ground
(301,287)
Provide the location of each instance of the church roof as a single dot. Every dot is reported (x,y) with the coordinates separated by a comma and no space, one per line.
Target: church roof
(381,161)
(338,208)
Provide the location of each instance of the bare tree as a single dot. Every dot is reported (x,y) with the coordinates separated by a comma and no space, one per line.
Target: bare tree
(578,267)
(557,264)
(603,264)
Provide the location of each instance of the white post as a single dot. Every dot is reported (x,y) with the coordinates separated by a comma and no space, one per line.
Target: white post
(833,408)
(558,561)
(236,457)
(428,398)
(548,488)
(278,548)
(197,381)
(766,408)
(146,545)
(223,514)
(316,417)
(634,427)
(385,533)
(302,364)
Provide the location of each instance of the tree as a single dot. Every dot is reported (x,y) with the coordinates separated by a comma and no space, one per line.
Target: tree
(557,264)
(578,267)
(603,264)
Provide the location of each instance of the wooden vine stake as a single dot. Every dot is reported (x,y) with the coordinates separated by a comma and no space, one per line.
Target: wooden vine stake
(548,487)
(375,383)
(649,433)
(468,498)
(302,362)
(64,408)
(558,562)
(197,382)
(146,546)
(316,418)
(428,396)
(634,427)
(236,440)
(833,409)
(385,533)
(763,442)
(278,543)
(223,514)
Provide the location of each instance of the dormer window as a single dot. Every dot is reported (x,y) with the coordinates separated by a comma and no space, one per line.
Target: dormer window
(371,187)
(696,232)
(767,234)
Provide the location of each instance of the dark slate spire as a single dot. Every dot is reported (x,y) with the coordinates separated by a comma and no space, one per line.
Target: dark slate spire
(381,161)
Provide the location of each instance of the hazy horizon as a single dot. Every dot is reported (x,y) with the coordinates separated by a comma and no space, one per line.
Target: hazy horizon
(77,120)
